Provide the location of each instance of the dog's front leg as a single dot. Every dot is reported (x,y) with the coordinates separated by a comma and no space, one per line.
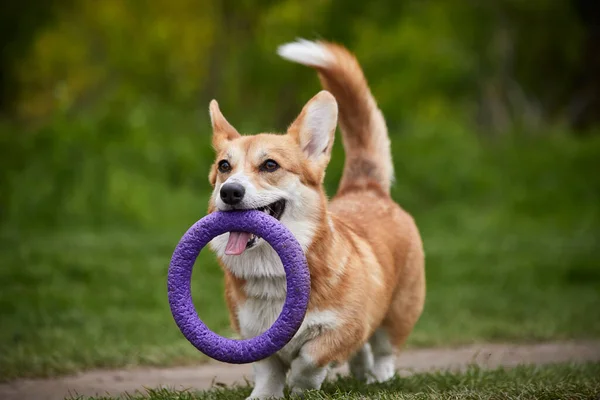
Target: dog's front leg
(305,373)
(309,369)
(269,378)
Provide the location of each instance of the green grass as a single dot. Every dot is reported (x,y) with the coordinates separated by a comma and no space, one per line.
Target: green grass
(511,231)
(79,300)
(82,299)
(561,381)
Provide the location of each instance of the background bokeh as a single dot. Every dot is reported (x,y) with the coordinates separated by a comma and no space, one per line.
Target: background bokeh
(493,109)
(105,102)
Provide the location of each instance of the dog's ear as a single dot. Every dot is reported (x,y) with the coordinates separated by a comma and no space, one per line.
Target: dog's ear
(314,128)
(223,132)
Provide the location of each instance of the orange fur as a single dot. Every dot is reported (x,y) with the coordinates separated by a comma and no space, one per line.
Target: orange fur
(365,254)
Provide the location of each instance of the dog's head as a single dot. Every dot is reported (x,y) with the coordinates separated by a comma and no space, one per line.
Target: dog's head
(280,174)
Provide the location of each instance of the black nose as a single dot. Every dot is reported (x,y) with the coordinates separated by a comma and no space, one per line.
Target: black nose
(232,193)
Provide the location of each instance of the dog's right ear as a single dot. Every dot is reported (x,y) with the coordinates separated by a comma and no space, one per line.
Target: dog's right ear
(223,132)
(314,128)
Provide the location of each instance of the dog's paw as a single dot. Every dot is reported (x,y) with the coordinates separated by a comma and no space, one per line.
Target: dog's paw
(383,370)
(297,393)
(264,396)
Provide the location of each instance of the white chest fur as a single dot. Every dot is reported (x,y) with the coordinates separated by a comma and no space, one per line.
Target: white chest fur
(265,288)
(266,295)
(257,314)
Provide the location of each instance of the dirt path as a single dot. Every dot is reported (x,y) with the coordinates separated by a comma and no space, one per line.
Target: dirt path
(203,376)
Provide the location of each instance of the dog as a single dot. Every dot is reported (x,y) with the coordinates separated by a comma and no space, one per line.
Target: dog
(364,252)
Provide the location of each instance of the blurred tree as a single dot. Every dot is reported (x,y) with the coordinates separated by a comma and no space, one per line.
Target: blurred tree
(118,49)
(505,64)
(20,22)
(121,87)
(584,104)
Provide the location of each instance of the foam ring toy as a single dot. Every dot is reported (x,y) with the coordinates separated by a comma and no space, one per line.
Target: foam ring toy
(179,286)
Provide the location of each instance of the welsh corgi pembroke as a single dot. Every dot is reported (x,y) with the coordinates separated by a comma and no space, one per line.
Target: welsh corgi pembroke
(364,251)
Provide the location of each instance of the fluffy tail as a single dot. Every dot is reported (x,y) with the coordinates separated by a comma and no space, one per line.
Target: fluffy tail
(364,132)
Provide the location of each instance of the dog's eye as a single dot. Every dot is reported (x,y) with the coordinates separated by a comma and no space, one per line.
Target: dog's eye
(269,166)
(224,166)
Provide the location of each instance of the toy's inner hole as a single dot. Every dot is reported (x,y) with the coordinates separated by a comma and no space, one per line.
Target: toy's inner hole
(208,287)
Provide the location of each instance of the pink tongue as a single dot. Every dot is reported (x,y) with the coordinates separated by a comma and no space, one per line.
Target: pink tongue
(237,243)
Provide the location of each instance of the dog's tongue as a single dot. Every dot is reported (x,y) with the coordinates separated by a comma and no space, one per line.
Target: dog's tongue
(236,243)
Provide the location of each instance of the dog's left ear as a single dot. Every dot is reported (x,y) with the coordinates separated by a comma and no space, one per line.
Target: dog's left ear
(223,132)
(314,128)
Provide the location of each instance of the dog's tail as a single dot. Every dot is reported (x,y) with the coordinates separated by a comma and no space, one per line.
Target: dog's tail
(364,132)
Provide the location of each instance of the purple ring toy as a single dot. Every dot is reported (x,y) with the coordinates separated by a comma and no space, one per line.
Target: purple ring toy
(180,297)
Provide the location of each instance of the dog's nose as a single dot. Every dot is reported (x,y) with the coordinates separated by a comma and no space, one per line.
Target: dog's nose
(232,193)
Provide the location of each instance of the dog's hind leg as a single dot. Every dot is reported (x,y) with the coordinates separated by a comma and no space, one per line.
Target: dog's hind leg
(361,363)
(306,373)
(384,360)
(309,369)
(404,311)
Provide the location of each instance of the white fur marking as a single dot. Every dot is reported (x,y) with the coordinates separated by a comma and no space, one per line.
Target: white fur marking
(298,217)
(269,379)
(315,323)
(306,52)
(383,369)
(256,315)
(253,198)
(330,223)
(384,363)
(266,288)
(305,374)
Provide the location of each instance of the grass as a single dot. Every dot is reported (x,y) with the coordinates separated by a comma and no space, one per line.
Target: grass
(511,231)
(95,300)
(560,381)
(76,300)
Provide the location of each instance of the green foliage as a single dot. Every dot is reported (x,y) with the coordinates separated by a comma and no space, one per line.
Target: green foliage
(123,168)
(501,63)
(20,22)
(114,94)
